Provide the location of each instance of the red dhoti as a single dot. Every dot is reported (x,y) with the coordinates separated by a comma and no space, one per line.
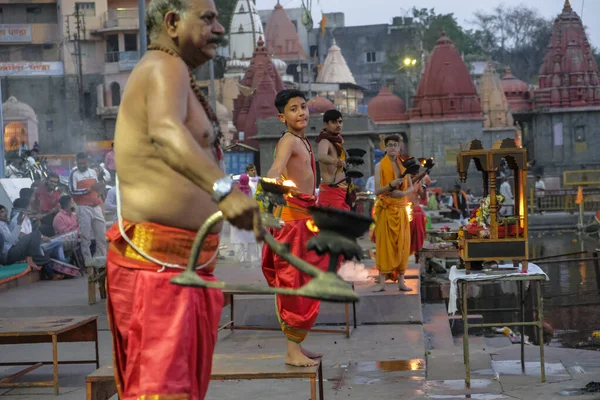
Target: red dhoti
(296,314)
(164,335)
(334,197)
(417,229)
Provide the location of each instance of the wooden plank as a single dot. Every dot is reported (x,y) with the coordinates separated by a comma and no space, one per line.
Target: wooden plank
(104,373)
(235,366)
(41,325)
(259,366)
(20,373)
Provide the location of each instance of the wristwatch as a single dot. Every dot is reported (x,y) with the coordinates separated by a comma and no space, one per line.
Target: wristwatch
(221,188)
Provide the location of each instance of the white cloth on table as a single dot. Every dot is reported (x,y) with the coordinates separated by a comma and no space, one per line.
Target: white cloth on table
(461,274)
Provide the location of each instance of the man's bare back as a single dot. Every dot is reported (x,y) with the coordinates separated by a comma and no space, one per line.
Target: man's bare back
(330,173)
(151,190)
(299,167)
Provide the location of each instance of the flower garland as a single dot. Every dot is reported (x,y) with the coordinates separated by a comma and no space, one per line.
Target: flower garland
(481,215)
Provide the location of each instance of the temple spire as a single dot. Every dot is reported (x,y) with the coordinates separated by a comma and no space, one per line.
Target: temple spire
(567,7)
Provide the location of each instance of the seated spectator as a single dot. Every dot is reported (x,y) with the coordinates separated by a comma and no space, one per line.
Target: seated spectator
(21,206)
(17,248)
(66,219)
(45,203)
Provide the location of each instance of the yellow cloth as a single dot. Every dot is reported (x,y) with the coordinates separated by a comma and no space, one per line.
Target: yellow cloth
(392,228)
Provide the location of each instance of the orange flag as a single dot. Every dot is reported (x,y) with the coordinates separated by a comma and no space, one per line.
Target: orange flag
(323,23)
(579,199)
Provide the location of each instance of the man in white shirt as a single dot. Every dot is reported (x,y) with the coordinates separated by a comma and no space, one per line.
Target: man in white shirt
(84,187)
(540,189)
(251,172)
(509,200)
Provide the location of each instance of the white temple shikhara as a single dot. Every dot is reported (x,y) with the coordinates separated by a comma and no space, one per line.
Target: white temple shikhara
(245,29)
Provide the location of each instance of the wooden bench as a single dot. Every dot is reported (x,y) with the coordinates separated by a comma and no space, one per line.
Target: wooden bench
(46,330)
(100,385)
(230,324)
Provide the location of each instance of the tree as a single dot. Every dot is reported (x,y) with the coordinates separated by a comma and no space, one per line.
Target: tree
(514,36)
(431,26)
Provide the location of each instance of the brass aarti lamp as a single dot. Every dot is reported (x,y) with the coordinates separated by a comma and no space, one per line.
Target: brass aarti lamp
(338,231)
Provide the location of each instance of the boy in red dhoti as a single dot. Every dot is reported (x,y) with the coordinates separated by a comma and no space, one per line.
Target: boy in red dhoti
(294,160)
(334,190)
(169,182)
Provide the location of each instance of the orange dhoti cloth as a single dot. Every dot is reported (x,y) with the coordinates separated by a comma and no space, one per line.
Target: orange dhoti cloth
(334,197)
(296,314)
(417,229)
(164,335)
(392,228)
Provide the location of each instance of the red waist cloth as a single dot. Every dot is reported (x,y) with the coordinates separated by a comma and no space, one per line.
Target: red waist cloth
(417,229)
(163,334)
(334,197)
(297,312)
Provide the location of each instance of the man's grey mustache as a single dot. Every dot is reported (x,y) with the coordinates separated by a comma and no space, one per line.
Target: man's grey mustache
(219,41)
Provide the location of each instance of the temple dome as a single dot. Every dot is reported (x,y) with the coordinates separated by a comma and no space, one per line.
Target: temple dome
(569,73)
(244,30)
(281,36)
(280,65)
(446,90)
(496,111)
(512,84)
(320,105)
(335,69)
(258,87)
(517,92)
(16,109)
(387,107)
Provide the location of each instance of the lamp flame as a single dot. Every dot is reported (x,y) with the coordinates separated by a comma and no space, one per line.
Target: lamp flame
(289,183)
(409,211)
(310,224)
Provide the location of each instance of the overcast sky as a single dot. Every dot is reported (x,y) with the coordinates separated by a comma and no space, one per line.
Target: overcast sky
(361,12)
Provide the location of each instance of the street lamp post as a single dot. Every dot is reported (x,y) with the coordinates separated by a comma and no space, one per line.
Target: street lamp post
(407,63)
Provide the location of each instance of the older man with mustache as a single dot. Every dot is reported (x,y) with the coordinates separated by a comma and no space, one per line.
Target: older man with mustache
(167,154)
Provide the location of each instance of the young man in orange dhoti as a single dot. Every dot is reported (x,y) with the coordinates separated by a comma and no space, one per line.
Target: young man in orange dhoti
(295,161)
(334,190)
(167,154)
(392,228)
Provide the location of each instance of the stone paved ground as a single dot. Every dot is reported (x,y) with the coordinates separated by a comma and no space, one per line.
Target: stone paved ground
(400,359)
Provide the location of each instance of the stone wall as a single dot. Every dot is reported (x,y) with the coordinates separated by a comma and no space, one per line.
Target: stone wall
(442,140)
(55,101)
(580,140)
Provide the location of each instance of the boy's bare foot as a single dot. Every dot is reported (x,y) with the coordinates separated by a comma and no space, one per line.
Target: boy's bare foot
(296,358)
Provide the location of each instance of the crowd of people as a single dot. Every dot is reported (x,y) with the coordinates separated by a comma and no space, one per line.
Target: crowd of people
(51,225)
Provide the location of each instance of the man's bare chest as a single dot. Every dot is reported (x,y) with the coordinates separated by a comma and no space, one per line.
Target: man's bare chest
(199,125)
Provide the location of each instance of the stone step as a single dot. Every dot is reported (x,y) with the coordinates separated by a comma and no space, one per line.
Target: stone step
(437,327)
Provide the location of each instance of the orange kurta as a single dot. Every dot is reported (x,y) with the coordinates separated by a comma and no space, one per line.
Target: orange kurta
(392,228)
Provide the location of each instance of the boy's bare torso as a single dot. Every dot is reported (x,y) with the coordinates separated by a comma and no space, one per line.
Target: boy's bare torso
(299,168)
